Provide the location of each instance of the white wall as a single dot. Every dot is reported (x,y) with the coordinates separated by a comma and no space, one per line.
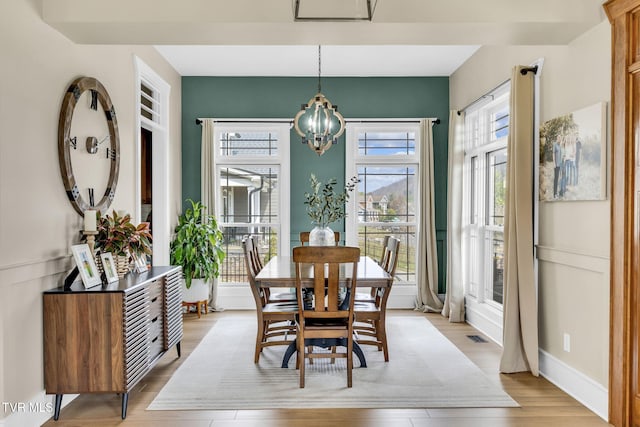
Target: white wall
(37,222)
(574,236)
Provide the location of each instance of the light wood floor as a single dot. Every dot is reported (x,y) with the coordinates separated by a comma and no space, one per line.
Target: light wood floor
(542,404)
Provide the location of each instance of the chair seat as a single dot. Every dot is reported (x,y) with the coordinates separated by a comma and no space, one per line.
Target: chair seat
(364,297)
(326,323)
(282,297)
(280,308)
(365,306)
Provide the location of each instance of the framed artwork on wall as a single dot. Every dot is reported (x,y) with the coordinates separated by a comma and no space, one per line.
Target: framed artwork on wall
(573,153)
(86,265)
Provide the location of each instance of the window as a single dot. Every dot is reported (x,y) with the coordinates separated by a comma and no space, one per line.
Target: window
(251,177)
(385,159)
(486,131)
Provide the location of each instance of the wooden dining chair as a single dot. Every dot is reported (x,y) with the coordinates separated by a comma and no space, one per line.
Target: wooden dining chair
(276,321)
(370,316)
(384,259)
(329,318)
(304,237)
(257,264)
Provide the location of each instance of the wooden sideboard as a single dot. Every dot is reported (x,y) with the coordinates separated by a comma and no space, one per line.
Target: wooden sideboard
(107,338)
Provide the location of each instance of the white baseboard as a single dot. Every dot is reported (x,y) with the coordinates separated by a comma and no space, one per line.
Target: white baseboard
(402,296)
(34,412)
(236,296)
(484,318)
(582,388)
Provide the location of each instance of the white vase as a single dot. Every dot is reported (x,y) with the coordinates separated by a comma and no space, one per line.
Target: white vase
(199,291)
(322,237)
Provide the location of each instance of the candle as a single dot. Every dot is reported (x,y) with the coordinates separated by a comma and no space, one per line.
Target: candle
(90,220)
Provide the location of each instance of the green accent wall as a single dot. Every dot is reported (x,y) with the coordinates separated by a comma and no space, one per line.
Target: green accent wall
(281,97)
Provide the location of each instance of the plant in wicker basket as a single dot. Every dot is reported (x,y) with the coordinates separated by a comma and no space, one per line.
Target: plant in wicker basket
(116,234)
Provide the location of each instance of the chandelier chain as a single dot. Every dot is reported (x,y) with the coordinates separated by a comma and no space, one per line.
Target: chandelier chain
(319,69)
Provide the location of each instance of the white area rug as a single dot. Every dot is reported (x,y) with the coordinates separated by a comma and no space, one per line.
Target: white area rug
(425,370)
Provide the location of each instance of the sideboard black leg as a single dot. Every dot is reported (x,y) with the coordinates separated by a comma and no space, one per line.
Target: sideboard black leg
(56,410)
(125,401)
(178,348)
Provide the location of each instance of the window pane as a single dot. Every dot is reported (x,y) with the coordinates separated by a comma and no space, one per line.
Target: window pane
(474,263)
(472,130)
(386,194)
(147,102)
(497,183)
(248,143)
(249,194)
(497,262)
(233,268)
(500,123)
(386,143)
(370,243)
(473,190)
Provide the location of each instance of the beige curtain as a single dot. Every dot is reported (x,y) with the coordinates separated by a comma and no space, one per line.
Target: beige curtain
(454,299)
(520,329)
(427,268)
(207,193)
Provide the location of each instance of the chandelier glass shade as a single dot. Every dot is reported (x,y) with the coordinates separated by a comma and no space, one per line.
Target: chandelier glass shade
(318,122)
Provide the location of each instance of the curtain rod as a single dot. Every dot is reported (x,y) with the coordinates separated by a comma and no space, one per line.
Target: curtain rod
(199,121)
(435,121)
(523,71)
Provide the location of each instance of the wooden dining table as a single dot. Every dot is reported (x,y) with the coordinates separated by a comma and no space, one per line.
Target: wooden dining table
(280,272)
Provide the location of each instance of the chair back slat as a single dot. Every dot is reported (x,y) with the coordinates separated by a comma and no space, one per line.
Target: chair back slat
(390,262)
(384,255)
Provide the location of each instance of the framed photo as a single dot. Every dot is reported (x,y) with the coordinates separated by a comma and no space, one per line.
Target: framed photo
(109,267)
(140,262)
(86,265)
(573,153)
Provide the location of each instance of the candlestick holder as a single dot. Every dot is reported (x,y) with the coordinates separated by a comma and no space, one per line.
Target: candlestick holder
(90,237)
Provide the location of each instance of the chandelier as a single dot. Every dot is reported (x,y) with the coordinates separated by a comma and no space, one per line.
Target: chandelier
(318,121)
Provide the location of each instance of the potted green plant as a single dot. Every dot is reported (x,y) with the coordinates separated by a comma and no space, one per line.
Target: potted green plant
(325,206)
(198,248)
(118,235)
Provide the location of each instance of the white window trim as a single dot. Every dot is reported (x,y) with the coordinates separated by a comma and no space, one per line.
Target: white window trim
(160,160)
(281,160)
(480,229)
(403,296)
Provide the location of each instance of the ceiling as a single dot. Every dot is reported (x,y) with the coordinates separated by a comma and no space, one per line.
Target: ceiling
(261,38)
